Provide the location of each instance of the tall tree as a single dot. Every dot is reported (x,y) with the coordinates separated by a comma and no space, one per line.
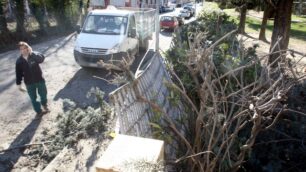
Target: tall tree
(269,11)
(59,8)
(243,5)
(3,23)
(243,12)
(281,30)
(38,10)
(19,12)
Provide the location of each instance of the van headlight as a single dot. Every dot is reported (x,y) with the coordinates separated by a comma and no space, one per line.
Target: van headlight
(114,50)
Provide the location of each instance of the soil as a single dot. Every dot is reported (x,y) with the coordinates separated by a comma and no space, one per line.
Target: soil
(64,80)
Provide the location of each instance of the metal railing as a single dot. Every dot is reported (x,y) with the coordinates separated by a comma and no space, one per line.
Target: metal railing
(134,115)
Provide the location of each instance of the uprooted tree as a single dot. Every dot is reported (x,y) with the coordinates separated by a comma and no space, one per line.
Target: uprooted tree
(231,103)
(234,105)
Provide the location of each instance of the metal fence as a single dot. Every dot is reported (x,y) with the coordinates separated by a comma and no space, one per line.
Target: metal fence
(134,115)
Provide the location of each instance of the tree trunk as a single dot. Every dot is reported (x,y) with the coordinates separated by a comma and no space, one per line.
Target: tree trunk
(282,22)
(46,14)
(3,23)
(38,12)
(243,11)
(87,7)
(21,31)
(63,22)
(267,12)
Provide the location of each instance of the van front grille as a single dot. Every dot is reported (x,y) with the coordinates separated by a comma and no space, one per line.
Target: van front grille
(94,51)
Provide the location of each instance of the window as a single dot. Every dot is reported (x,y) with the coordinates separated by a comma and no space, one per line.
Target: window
(103,24)
(166,18)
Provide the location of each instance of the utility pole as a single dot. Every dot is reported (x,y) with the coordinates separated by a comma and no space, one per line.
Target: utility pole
(195,8)
(157,26)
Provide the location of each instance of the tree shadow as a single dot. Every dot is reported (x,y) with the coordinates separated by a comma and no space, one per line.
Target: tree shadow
(6,85)
(9,158)
(249,36)
(63,42)
(86,78)
(266,41)
(92,158)
(81,83)
(9,41)
(255,38)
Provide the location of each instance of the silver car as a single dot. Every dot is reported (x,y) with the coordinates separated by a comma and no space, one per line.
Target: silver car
(190,9)
(185,13)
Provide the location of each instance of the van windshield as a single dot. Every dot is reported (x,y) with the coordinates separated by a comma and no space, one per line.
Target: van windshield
(101,24)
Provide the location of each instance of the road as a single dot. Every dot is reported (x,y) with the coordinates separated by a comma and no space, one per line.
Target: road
(165,37)
(65,79)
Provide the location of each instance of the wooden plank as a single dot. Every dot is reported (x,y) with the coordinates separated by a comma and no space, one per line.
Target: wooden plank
(125,150)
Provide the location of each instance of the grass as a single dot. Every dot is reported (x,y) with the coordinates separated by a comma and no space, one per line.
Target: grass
(253,24)
(298,30)
(210,6)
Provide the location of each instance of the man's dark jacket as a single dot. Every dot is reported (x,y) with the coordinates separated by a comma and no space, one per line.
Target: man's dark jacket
(29,69)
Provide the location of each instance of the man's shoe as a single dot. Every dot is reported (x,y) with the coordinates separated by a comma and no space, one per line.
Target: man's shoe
(40,114)
(46,108)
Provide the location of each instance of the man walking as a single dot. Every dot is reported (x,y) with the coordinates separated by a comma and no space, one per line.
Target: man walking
(28,69)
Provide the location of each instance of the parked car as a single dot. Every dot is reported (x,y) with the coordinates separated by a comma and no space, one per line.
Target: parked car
(188,4)
(185,13)
(169,8)
(190,9)
(168,22)
(161,9)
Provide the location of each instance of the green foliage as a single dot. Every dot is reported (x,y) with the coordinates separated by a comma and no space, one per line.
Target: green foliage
(226,56)
(223,4)
(3,24)
(174,97)
(66,12)
(159,130)
(215,22)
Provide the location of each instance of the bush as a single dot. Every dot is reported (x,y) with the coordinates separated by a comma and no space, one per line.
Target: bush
(226,56)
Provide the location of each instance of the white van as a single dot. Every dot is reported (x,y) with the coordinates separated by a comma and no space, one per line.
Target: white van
(108,34)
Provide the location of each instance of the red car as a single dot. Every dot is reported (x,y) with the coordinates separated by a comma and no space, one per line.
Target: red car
(168,22)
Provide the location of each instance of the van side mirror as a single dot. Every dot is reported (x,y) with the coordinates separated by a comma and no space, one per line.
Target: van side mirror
(78,28)
(132,33)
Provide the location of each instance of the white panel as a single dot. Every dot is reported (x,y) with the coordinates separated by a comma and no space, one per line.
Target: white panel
(118,3)
(97,3)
